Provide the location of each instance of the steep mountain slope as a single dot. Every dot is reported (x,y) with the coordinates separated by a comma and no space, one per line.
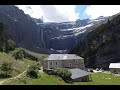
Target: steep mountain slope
(36,36)
(18,26)
(102,45)
(21,28)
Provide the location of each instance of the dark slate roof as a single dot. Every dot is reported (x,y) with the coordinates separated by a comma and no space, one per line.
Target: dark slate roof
(77,73)
(62,57)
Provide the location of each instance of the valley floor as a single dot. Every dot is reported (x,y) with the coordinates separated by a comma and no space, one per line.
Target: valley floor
(98,78)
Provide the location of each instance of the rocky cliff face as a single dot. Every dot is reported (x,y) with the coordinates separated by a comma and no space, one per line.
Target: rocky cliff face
(17,26)
(34,35)
(20,27)
(66,35)
(101,46)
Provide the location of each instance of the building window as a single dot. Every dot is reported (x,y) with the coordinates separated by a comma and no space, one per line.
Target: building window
(81,62)
(70,65)
(76,62)
(82,66)
(56,63)
(51,63)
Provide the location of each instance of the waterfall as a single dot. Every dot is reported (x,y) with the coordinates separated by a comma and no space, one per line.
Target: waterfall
(42,38)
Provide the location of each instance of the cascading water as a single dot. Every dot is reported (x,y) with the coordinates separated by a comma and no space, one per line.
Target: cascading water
(42,38)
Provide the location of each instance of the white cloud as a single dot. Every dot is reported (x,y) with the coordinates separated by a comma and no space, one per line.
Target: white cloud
(32,10)
(51,13)
(95,11)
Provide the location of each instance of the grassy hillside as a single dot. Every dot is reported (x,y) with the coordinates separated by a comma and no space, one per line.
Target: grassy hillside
(18,66)
(37,55)
(14,60)
(97,79)
(43,80)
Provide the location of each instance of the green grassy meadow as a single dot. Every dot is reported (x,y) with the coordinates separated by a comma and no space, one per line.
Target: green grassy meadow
(97,79)
(21,65)
(102,79)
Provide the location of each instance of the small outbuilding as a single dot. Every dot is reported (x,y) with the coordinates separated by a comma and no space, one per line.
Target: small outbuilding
(114,68)
(79,75)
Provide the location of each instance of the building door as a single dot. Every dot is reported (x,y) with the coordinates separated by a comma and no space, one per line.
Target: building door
(70,65)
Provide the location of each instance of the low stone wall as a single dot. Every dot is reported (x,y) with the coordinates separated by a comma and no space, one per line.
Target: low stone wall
(82,79)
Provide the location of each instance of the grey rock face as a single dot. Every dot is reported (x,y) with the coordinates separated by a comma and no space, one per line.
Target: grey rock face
(18,26)
(34,35)
(107,54)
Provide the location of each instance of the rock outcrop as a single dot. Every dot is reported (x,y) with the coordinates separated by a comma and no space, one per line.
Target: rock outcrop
(34,35)
(102,45)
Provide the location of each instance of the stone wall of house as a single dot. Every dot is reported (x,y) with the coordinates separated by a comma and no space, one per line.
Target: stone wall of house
(79,64)
(64,64)
(45,64)
(67,62)
(115,70)
(54,63)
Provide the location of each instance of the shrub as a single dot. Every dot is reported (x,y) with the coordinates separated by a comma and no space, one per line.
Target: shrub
(1,49)
(64,73)
(6,68)
(18,54)
(33,71)
(28,55)
(11,45)
(8,45)
(5,45)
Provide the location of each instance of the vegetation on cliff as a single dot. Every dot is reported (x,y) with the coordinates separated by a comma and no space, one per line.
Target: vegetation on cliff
(97,41)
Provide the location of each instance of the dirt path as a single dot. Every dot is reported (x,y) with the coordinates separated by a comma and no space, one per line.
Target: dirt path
(9,79)
(2,81)
(18,76)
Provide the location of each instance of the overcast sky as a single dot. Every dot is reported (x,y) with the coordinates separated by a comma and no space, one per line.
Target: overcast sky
(63,13)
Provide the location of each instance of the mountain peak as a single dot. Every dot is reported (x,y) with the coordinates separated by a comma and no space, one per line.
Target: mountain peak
(101,17)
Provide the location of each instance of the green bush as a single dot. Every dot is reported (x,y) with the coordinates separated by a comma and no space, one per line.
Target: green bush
(6,68)
(64,73)
(1,49)
(18,54)
(33,71)
(8,45)
(5,45)
(11,45)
